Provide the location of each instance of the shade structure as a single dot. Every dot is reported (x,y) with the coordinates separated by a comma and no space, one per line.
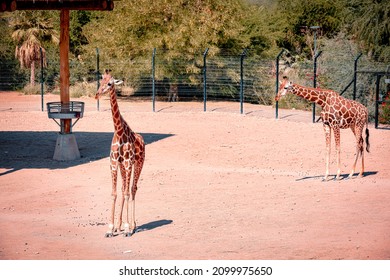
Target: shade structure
(64,6)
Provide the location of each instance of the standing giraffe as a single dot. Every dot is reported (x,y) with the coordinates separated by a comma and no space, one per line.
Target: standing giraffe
(127,153)
(337,112)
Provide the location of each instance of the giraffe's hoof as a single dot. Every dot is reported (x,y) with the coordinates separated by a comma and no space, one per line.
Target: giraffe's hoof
(109,234)
(129,233)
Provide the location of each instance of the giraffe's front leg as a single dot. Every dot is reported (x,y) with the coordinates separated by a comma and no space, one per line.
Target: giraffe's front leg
(122,201)
(328,133)
(127,232)
(111,229)
(110,232)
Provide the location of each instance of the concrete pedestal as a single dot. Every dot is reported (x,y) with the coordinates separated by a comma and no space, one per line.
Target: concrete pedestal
(66,148)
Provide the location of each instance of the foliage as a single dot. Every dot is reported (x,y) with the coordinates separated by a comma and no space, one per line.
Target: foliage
(77,39)
(384,115)
(298,16)
(82,89)
(180,30)
(170,25)
(31,89)
(10,73)
(369,22)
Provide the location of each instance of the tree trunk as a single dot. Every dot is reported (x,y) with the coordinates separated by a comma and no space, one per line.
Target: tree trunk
(32,76)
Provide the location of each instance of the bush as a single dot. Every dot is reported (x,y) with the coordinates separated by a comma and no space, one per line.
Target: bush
(80,89)
(384,113)
(32,89)
(291,101)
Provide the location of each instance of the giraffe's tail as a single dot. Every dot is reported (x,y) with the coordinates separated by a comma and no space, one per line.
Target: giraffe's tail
(367,142)
(367,136)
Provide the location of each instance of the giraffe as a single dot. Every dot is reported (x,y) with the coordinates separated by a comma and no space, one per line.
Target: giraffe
(337,113)
(127,153)
(173,93)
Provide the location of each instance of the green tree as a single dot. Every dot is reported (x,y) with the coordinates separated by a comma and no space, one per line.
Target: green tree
(298,15)
(136,27)
(180,30)
(30,30)
(77,39)
(369,22)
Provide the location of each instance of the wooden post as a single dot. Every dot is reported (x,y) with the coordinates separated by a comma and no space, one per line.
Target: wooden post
(64,67)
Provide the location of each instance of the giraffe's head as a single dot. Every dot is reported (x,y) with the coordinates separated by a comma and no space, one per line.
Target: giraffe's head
(106,84)
(285,86)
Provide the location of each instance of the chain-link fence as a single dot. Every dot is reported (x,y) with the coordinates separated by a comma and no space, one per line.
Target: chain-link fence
(202,76)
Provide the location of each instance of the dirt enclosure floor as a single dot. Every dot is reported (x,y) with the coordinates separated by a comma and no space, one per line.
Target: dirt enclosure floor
(215,185)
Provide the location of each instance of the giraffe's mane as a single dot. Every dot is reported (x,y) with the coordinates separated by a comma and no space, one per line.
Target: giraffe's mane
(326,91)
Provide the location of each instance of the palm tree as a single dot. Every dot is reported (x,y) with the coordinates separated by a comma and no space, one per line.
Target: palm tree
(30,30)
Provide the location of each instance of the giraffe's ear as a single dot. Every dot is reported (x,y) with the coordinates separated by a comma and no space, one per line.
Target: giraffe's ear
(118,82)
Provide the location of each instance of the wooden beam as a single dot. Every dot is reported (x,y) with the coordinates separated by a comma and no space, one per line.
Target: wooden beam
(64,65)
(7,6)
(97,5)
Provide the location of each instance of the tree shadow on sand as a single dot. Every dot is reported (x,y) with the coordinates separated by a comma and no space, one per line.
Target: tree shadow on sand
(35,149)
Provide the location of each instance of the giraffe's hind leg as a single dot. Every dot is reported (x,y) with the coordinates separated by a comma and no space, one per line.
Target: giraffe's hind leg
(137,173)
(138,165)
(336,130)
(359,150)
(328,133)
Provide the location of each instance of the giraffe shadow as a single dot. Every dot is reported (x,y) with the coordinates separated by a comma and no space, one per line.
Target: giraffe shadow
(287,116)
(342,176)
(153,225)
(164,108)
(35,149)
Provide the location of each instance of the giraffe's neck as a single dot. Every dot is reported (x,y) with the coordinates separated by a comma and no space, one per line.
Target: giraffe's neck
(116,115)
(314,95)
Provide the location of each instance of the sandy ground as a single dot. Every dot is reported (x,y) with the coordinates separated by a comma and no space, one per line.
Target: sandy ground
(215,185)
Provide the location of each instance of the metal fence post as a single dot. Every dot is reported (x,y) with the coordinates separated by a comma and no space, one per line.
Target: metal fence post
(277,84)
(41,78)
(97,76)
(355,75)
(242,81)
(315,83)
(153,80)
(378,79)
(205,79)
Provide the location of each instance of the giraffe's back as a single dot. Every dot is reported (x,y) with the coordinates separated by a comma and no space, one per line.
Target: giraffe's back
(343,112)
